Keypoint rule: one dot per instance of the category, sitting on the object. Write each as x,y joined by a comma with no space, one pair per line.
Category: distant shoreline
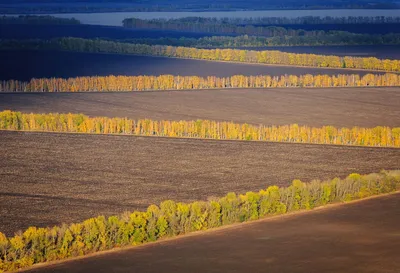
106,9
114,18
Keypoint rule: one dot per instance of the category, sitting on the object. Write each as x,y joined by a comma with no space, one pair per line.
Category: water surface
116,18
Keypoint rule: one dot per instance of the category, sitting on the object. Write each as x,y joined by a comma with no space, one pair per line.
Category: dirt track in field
48,179
347,107
358,237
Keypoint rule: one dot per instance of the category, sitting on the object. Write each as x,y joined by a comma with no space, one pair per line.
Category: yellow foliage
169,82
378,136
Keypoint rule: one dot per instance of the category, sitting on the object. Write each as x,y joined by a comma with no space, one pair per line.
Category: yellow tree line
272,57
204,129
231,55
170,218
170,82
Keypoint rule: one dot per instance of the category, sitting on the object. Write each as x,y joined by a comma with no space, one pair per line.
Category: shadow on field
24,65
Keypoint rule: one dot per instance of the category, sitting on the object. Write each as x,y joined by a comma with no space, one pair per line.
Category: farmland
85,31
367,107
98,161
363,236
76,177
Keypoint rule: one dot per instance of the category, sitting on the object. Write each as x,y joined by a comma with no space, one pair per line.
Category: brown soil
366,107
47,178
358,237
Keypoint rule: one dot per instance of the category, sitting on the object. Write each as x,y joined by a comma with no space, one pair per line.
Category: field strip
339,107
266,89
272,65
235,226
205,139
79,176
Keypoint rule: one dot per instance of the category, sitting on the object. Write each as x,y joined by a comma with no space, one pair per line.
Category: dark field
358,237
25,31
341,107
24,65
47,179
120,33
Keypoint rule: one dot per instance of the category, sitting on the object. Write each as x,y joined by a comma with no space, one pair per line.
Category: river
116,18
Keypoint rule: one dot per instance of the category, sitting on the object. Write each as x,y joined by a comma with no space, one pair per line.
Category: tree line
170,82
269,27
169,219
37,20
230,55
301,20
204,129
206,26
246,41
